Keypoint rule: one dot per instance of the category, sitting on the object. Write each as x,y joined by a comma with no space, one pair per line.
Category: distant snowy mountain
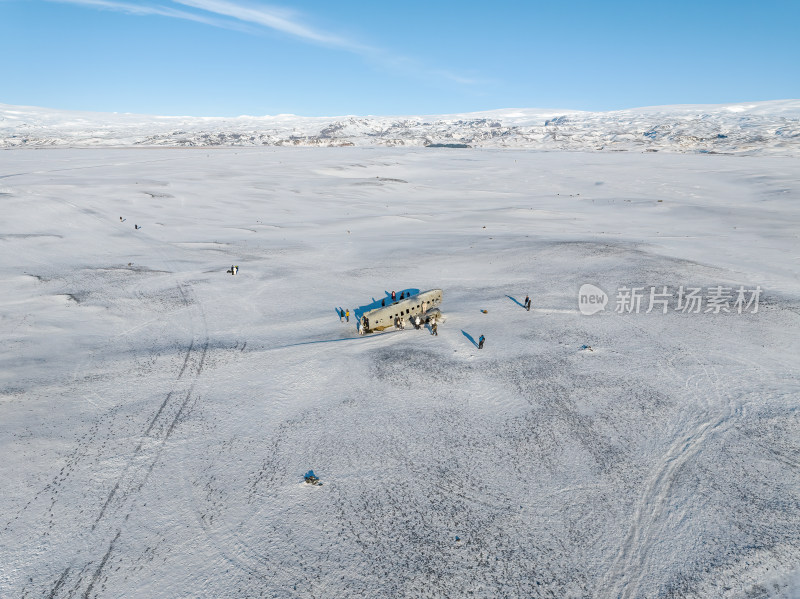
758,127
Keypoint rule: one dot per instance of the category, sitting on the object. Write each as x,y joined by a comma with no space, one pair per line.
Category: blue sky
322,58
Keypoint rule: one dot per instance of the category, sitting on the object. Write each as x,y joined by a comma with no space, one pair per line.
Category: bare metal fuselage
385,317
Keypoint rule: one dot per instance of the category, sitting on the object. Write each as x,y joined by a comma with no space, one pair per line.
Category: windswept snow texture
157,415
754,128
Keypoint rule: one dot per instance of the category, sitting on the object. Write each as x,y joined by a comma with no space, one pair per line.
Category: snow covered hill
758,127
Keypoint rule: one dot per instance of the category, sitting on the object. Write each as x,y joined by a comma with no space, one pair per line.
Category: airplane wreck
424,304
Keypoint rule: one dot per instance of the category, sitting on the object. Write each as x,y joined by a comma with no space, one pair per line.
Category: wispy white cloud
272,18
252,17
164,11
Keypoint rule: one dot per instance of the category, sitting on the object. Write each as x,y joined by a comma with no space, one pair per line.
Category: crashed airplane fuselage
386,317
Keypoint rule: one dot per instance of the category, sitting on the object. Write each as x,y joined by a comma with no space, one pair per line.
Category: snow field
158,414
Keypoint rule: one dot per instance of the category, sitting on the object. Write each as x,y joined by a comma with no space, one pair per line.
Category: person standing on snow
481,339
527,301
347,315
435,329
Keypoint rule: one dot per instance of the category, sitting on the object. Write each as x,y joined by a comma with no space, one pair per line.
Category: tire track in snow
628,569
59,583
625,576
164,421
186,360
129,467
135,475
100,431
100,567
107,428
146,436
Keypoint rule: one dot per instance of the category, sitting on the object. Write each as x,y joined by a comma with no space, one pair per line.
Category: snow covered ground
157,414
771,127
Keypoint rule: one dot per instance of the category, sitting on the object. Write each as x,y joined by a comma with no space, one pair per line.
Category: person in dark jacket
481,339
394,296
